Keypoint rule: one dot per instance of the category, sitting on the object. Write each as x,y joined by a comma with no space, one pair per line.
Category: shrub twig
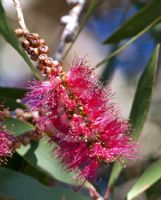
71,24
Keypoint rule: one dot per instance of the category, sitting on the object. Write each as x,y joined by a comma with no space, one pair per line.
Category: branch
71,25
93,192
107,193
20,15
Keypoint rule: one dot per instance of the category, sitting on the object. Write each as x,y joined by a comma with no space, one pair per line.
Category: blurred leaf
14,93
7,32
10,103
137,23
90,11
17,127
149,177
116,170
141,104
22,187
156,32
111,66
8,97
108,71
40,155
138,4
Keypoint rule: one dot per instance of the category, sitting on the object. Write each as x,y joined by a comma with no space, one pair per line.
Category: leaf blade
144,90
16,126
10,103
139,110
39,156
149,177
14,93
9,97
23,187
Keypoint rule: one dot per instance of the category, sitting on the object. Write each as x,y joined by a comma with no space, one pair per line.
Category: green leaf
22,187
111,65
137,23
140,106
143,95
116,170
90,11
7,32
8,97
40,155
14,93
156,32
10,103
149,177
16,126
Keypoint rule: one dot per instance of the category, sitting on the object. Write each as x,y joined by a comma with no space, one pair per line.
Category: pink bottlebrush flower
82,119
6,145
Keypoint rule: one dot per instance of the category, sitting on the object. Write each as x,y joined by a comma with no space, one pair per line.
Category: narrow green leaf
140,106
143,95
16,126
156,32
137,23
121,48
14,93
116,170
22,187
111,65
40,155
149,177
9,96
7,32
90,11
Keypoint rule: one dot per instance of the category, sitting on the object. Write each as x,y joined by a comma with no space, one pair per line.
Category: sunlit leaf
41,156
149,177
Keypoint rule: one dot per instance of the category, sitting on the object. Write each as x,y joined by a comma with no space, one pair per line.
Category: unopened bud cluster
38,51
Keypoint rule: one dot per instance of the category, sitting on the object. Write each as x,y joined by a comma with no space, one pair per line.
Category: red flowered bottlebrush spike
6,140
77,113
81,118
